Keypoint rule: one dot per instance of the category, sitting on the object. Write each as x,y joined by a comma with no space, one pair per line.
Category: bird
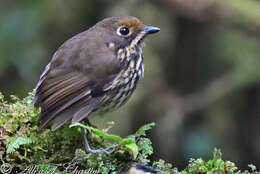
95,71
137,168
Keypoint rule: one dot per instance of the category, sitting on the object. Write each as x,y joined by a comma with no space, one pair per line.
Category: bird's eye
124,31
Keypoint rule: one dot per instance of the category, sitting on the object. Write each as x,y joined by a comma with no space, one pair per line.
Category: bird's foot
101,150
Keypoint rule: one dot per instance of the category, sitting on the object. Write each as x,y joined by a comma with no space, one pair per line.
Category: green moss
26,148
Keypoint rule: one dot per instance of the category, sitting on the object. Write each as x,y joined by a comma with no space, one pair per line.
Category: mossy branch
23,145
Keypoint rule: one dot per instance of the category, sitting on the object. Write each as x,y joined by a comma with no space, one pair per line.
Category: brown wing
65,87
60,97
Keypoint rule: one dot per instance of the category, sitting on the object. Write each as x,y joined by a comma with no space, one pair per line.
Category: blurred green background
202,71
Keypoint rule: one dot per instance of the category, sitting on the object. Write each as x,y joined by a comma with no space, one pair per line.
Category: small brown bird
95,71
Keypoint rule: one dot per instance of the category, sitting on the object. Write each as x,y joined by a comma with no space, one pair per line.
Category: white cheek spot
111,45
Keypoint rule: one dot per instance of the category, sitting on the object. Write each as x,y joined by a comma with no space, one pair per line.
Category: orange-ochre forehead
132,23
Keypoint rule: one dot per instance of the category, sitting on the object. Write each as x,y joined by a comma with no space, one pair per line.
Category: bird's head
126,30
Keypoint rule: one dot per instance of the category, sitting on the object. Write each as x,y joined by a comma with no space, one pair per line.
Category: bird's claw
101,150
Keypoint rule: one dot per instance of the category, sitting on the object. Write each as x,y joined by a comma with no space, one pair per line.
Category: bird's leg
88,149
87,146
88,123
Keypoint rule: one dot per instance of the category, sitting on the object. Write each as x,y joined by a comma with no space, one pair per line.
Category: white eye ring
123,31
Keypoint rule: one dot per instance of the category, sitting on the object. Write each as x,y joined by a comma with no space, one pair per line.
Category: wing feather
76,112
61,96
64,90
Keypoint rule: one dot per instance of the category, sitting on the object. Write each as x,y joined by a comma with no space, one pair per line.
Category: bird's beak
151,29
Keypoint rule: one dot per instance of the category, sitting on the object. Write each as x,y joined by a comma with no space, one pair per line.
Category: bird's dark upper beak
151,29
